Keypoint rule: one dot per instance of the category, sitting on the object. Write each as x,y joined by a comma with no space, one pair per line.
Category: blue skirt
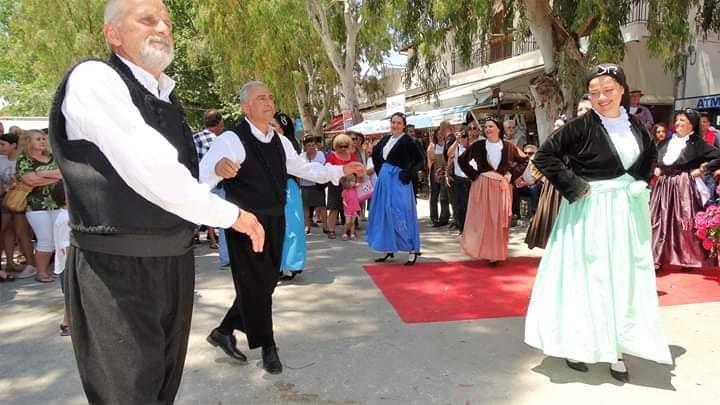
294,250
392,220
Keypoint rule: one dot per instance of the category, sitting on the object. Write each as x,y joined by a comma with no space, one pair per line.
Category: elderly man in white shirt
254,163
130,169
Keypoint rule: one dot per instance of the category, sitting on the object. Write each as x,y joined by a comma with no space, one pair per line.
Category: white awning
25,123
427,119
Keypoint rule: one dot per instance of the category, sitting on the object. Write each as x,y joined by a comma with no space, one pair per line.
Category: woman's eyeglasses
343,146
473,128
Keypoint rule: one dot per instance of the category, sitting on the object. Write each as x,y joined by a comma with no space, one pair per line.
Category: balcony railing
639,12
497,48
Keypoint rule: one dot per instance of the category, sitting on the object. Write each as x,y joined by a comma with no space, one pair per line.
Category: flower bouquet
707,225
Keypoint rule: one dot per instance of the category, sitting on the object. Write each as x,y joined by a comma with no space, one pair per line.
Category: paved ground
342,343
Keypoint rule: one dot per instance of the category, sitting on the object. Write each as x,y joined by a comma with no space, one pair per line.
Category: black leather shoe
384,259
622,376
439,224
412,261
271,361
577,366
227,343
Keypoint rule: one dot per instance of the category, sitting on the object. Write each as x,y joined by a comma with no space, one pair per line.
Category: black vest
261,183
106,215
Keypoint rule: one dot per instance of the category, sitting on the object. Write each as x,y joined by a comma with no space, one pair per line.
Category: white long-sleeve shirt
228,145
98,108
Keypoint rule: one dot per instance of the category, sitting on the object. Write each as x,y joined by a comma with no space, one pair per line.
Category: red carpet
453,291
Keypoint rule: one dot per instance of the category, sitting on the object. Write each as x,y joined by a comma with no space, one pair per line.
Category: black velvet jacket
582,151
696,152
405,154
512,160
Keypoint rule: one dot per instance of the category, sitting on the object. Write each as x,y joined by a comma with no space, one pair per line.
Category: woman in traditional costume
594,296
678,194
392,219
491,164
549,204
294,252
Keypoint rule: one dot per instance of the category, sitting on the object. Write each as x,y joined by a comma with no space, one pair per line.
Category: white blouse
390,144
676,145
494,153
622,137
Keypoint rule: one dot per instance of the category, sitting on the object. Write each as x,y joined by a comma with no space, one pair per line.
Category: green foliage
669,30
263,40
424,25
41,40
192,67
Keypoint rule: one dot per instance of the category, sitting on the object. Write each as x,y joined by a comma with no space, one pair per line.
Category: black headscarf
617,73
286,123
693,116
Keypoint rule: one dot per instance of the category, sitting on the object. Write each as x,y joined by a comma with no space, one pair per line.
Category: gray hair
509,122
244,94
113,10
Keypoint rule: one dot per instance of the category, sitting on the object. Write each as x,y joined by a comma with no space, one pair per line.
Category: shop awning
427,119
25,123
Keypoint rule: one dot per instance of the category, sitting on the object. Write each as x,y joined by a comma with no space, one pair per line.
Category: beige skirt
488,218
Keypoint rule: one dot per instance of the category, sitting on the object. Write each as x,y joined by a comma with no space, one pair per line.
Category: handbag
15,199
365,189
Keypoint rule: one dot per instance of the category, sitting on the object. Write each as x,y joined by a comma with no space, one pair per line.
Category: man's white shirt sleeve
98,108
312,171
228,145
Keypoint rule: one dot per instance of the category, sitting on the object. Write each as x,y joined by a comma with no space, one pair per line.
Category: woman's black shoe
577,365
384,259
621,375
412,261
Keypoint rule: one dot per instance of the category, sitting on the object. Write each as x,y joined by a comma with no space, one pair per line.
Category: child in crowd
351,205
61,234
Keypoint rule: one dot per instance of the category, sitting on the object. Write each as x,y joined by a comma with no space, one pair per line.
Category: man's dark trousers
140,302
255,276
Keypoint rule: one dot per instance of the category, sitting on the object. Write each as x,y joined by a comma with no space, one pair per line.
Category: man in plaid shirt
213,127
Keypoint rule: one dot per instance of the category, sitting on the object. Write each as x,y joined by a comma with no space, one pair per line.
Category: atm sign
708,102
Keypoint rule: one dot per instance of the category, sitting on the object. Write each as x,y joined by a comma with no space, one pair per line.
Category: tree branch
318,18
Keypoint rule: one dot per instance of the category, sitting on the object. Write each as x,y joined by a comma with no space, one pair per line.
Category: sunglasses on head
607,70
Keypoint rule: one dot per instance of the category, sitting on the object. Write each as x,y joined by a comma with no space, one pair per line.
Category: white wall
703,69
647,74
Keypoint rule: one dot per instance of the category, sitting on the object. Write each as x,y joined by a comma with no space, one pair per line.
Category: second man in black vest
254,163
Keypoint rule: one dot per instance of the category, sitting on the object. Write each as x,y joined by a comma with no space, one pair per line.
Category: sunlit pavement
341,342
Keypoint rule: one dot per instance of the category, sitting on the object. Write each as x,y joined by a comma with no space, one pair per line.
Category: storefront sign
698,103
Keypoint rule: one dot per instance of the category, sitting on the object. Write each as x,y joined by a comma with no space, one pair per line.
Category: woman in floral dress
36,167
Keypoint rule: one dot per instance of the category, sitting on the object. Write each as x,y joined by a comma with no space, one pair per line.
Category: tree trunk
343,64
548,100
350,98
303,104
545,91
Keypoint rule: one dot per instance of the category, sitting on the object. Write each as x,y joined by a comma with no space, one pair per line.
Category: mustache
158,40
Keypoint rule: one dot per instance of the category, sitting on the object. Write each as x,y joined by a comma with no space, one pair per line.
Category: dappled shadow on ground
642,372
339,339
37,365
